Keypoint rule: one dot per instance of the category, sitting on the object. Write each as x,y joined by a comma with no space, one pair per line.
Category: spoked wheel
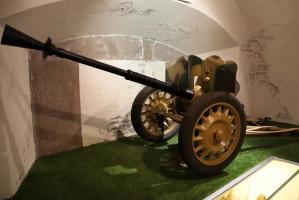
148,117
212,132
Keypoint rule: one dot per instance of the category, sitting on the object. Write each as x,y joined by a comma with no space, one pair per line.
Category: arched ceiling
166,21
11,7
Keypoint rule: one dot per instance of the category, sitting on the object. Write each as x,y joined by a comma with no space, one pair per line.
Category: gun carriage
198,101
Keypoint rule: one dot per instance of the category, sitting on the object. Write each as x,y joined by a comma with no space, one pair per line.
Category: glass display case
273,179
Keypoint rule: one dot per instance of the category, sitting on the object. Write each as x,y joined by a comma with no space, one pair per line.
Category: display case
273,179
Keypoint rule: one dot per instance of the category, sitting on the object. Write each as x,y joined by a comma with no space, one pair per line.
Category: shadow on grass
134,140
163,160
167,161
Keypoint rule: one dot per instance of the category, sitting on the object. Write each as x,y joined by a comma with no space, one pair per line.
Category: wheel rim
154,106
216,134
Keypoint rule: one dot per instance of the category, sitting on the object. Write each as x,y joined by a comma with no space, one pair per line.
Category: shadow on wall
52,135
56,105
114,126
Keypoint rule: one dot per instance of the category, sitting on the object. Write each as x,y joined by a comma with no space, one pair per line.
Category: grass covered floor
131,168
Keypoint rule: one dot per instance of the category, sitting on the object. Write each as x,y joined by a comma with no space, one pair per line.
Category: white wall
10,7
267,34
270,57
165,21
17,149
226,13
106,99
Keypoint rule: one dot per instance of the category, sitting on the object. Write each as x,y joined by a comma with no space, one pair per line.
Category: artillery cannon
198,101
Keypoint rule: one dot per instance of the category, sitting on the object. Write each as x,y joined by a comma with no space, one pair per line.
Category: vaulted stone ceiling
166,21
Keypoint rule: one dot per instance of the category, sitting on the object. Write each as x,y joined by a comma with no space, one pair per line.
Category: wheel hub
153,112
218,136
160,107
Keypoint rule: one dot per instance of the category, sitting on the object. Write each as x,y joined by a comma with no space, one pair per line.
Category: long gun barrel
17,38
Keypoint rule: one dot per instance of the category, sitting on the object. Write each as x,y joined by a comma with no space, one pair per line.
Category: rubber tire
190,119
137,122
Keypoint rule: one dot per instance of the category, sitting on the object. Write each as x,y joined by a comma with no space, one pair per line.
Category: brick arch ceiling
166,21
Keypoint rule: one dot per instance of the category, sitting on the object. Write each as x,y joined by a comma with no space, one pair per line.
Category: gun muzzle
13,37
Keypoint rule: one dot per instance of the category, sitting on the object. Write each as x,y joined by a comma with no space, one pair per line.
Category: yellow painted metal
216,134
158,104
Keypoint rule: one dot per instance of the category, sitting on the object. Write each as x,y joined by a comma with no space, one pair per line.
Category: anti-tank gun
198,101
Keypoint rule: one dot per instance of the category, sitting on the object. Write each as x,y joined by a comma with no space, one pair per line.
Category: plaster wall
225,13
165,21
269,58
10,7
17,148
55,104
266,33
106,99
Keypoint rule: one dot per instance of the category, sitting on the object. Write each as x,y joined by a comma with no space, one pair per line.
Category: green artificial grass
131,168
